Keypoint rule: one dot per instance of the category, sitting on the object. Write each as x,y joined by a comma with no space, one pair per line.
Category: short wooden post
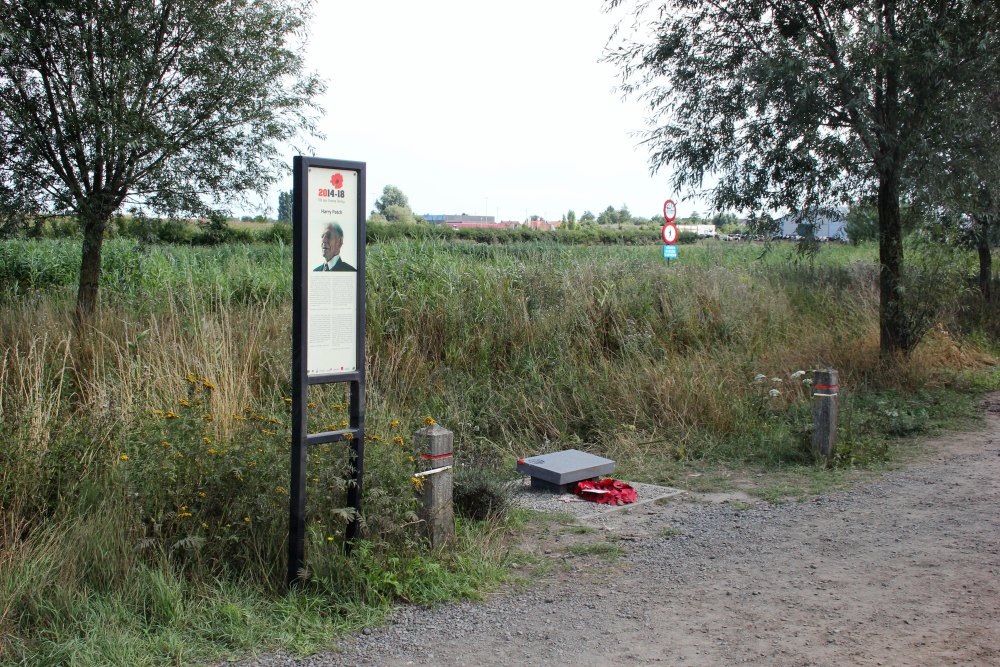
825,390
434,452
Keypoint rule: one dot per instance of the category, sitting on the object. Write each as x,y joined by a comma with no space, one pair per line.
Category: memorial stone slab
559,470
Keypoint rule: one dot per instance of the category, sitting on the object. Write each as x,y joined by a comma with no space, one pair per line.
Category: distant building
466,221
542,225
703,231
829,224
458,219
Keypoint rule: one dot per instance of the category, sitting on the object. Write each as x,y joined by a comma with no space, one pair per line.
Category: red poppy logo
337,181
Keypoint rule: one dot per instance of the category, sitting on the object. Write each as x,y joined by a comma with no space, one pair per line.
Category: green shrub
481,491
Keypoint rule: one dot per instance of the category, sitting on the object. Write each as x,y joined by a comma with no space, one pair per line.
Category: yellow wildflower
344,423
418,483
202,494
348,436
280,490
170,414
286,399
204,525
124,457
429,421
191,377
266,432
252,464
273,420
207,440
207,384
394,423
246,519
186,403
209,418
159,413
184,508
329,539
239,418
374,438
184,515
310,404
165,444
179,455
399,440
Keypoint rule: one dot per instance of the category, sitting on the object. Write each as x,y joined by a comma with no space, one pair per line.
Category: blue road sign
669,252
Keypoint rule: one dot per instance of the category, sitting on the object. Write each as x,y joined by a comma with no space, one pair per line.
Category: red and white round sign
669,233
669,210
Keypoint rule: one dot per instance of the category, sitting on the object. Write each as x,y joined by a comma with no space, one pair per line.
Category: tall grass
158,481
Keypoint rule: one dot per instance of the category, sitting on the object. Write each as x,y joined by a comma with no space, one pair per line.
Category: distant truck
702,231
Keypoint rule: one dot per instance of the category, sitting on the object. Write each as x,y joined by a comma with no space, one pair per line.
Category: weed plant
143,496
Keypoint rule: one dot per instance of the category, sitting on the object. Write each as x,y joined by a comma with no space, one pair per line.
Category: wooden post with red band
825,391
434,454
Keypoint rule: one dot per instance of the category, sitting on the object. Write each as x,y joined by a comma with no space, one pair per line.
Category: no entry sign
669,233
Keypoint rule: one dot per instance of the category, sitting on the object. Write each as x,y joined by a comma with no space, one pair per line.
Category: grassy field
144,497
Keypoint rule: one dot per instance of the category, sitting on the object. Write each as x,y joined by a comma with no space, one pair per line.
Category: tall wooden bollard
825,389
434,452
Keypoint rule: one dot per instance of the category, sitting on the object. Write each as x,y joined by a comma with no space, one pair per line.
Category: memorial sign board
328,324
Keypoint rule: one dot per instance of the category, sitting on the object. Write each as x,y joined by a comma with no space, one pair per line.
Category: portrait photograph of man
332,243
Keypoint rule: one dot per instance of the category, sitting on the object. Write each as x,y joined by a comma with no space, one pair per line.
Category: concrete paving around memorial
585,510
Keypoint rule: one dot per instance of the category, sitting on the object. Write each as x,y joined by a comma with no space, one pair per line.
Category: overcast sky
497,108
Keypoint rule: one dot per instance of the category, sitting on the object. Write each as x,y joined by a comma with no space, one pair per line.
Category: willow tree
960,177
176,105
805,103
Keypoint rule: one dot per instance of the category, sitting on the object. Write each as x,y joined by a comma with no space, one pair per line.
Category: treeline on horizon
218,229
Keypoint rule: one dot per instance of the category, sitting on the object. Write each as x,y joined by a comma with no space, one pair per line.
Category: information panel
328,328
332,252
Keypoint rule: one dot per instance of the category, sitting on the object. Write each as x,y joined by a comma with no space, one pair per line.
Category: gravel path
903,571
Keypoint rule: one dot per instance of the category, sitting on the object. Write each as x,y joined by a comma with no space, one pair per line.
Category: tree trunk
90,267
894,330
985,256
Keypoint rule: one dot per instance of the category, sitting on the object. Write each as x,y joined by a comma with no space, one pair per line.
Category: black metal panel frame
301,439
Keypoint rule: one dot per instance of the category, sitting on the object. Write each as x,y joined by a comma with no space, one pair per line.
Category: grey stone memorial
558,471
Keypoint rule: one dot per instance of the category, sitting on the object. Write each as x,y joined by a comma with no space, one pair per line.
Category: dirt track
902,571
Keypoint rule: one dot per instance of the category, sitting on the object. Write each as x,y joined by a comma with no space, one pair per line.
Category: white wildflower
759,378
773,393
776,380
797,374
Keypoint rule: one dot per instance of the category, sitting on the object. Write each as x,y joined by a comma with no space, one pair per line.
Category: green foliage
285,207
482,491
378,232
724,219
862,224
612,217
605,550
399,214
179,108
194,362
809,103
392,198
215,229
